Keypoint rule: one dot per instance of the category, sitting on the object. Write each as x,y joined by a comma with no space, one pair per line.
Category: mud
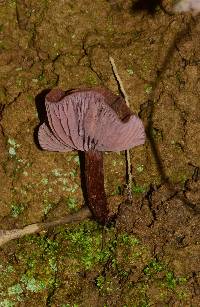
150,255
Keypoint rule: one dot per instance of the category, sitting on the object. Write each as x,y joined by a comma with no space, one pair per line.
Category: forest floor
150,255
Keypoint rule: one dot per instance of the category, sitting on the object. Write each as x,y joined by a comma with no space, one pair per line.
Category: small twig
121,86
8,235
127,152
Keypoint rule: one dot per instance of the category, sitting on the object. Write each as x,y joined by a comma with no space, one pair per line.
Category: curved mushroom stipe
90,120
94,177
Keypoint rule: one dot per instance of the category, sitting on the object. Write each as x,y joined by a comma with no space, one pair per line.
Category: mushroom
91,120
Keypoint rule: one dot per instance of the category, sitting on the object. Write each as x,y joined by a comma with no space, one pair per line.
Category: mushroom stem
94,177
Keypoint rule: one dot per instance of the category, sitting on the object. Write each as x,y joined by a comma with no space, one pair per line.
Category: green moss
182,295
77,160
7,303
73,173
15,290
41,77
127,239
9,269
140,168
105,284
166,282
100,280
30,98
39,258
171,281
32,284
130,71
16,209
139,189
91,80
13,146
84,245
148,88
72,203
153,267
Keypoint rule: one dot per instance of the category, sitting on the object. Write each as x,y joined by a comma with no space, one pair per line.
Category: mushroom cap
89,119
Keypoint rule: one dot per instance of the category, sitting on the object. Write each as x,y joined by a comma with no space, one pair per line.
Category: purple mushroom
91,120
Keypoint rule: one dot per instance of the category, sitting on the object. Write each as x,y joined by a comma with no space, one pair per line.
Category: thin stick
127,152
121,86
8,235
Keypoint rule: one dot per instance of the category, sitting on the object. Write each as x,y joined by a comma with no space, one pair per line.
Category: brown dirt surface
150,255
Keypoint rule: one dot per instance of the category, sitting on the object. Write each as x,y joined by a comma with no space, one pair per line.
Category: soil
150,255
